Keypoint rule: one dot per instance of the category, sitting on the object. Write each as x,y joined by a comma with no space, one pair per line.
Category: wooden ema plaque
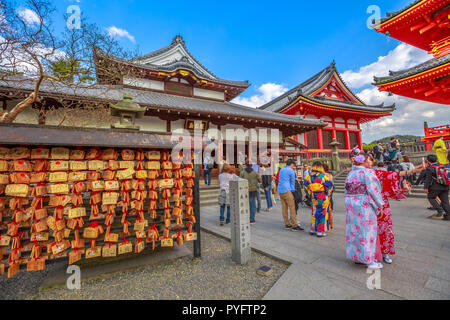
93,252
141,174
139,226
78,165
112,185
165,183
60,154
77,176
3,165
36,265
40,153
59,247
59,165
125,248
153,155
109,250
13,269
17,190
57,177
139,247
77,213
5,240
40,236
111,237
74,256
126,164
153,165
58,188
192,236
90,233
125,174
167,242
110,198
96,165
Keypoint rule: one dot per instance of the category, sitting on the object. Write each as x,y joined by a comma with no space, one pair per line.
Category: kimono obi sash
355,188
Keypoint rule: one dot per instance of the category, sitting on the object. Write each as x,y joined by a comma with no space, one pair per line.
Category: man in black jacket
435,189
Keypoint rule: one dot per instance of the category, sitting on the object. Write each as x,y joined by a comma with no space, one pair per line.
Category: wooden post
347,140
320,138
197,243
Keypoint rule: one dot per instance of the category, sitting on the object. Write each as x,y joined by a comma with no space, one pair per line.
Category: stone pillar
240,221
335,162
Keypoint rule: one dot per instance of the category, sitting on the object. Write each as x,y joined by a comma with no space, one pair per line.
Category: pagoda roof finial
178,39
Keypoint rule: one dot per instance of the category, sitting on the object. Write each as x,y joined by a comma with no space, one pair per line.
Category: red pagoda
325,96
424,24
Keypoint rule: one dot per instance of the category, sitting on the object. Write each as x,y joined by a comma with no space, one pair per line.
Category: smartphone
423,162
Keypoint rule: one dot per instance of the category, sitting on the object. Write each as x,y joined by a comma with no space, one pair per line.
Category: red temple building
325,96
424,24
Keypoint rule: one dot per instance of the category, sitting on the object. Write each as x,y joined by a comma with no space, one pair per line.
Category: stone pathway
319,269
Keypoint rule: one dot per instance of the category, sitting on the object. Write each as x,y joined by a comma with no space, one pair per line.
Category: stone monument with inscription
240,221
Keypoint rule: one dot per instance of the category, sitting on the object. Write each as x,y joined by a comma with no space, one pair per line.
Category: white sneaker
387,259
375,265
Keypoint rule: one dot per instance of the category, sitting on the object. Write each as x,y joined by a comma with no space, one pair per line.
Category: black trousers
443,196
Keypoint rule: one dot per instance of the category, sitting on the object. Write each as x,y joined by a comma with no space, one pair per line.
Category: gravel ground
214,277
25,283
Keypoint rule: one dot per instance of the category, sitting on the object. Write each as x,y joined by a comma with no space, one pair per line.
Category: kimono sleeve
328,184
306,183
373,187
390,182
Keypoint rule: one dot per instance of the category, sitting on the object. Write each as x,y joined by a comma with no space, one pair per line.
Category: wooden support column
305,138
320,138
360,140
220,148
347,140
168,126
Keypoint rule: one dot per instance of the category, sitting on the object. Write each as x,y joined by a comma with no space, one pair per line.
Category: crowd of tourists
376,176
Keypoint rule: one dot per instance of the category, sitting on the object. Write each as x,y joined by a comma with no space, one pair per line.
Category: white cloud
410,114
402,57
114,31
408,118
29,16
267,92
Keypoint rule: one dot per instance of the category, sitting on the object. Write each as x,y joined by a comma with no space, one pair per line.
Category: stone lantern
335,163
128,111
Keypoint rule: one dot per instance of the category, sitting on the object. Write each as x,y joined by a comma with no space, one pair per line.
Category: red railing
436,131
323,154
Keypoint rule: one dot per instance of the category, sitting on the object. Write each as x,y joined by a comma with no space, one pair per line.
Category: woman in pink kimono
390,184
363,200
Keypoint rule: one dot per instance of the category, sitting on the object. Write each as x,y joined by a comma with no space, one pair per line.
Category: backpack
442,175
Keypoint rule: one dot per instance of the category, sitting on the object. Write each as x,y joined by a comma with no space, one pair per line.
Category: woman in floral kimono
363,199
319,187
390,184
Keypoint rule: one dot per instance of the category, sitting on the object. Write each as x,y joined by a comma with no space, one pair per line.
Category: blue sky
273,44
259,41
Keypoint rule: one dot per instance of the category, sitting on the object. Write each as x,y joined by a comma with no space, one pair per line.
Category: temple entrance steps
339,186
209,194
